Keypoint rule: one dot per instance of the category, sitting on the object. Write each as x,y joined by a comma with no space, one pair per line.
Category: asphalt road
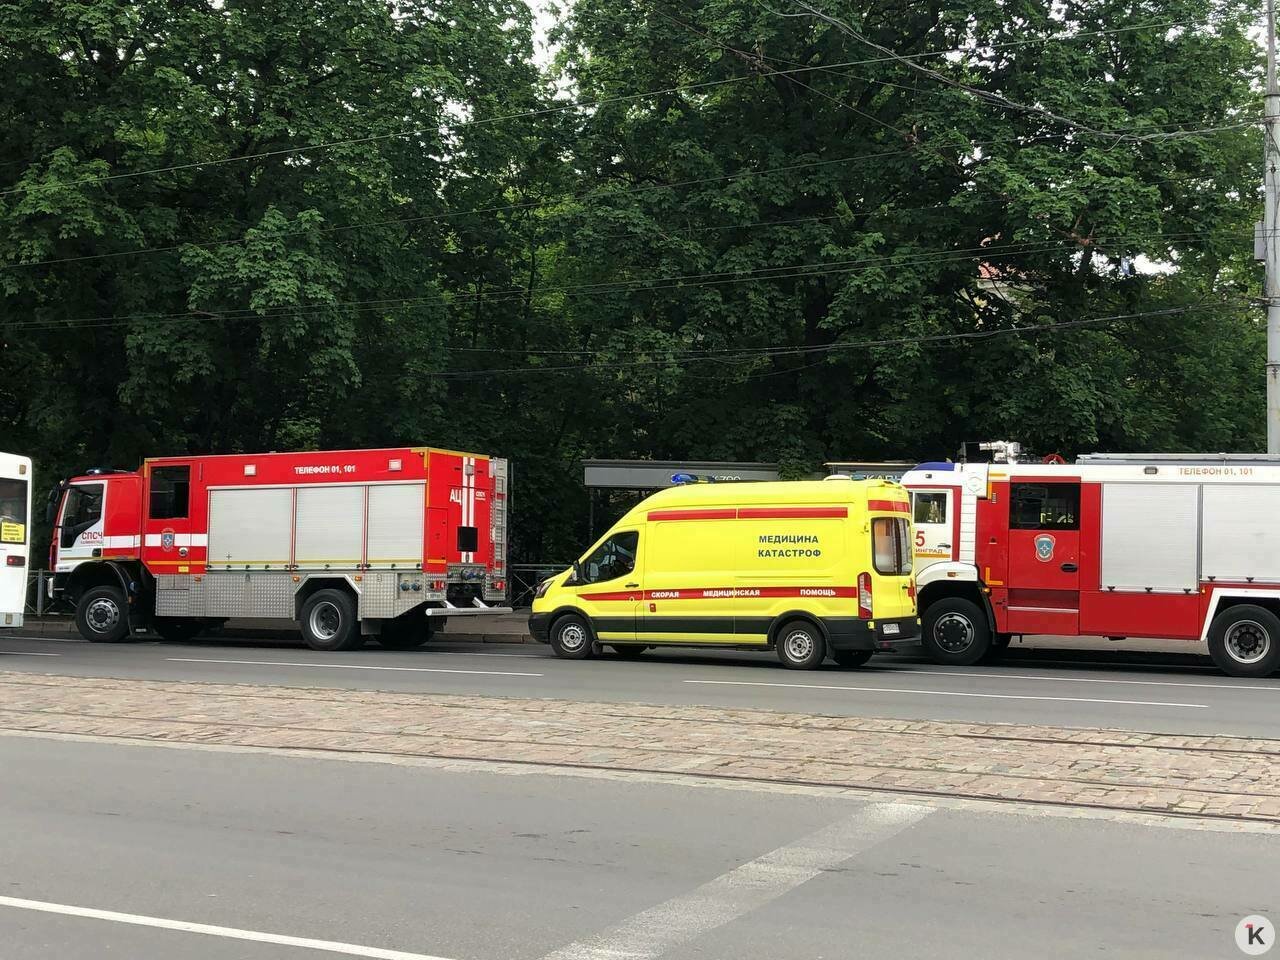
1160,694
465,865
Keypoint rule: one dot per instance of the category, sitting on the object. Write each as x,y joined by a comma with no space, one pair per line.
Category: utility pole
1271,234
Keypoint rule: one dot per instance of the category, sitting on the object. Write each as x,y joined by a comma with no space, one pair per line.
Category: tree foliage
241,226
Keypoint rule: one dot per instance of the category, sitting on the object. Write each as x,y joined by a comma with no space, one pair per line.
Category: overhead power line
988,95
760,58
837,347
595,193
634,285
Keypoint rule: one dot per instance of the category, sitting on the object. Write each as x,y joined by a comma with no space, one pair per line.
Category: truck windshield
892,545
13,510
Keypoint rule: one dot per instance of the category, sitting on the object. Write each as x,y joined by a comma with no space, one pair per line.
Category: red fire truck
347,543
1178,546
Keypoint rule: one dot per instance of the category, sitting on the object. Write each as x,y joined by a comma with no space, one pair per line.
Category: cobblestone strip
1210,776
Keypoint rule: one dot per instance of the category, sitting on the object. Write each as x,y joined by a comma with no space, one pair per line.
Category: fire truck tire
102,615
329,621
851,658
1244,641
571,638
177,629
801,645
956,632
629,651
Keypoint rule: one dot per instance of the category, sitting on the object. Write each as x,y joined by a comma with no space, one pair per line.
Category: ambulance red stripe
791,513
726,514
755,513
889,506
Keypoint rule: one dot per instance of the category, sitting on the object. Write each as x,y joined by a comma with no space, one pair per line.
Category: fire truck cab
1173,546
347,544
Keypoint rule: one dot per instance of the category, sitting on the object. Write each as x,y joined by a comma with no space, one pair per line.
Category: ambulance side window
614,558
929,507
1044,506
170,493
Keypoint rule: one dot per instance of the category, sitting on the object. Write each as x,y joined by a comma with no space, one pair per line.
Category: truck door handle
944,546
1069,568
630,585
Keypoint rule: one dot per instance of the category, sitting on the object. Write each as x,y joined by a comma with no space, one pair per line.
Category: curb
64,628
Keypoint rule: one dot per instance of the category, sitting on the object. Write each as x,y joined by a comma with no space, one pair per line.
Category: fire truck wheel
102,615
329,621
801,645
571,638
628,651
1244,641
956,632
177,629
851,658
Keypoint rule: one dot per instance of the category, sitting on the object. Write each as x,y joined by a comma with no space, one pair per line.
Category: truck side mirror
51,505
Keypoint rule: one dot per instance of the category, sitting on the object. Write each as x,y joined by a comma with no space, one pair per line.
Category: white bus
15,536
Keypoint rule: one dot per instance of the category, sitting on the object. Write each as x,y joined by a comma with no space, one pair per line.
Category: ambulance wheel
956,632
329,621
102,615
800,645
1244,641
571,638
851,658
628,651
177,629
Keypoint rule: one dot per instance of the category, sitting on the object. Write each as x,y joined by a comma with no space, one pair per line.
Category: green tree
843,196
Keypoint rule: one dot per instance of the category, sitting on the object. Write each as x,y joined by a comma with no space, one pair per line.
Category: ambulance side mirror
576,576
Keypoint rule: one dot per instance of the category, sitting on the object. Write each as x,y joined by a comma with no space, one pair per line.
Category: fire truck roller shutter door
1241,532
250,527
330,527
396,513
1150,534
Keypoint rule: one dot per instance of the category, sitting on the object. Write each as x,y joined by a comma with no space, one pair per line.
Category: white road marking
1274,688
350,666
944,693
653,932
26,653
509,656
25,636
329,946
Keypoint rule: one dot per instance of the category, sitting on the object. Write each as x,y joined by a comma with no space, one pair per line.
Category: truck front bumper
852,633
540,627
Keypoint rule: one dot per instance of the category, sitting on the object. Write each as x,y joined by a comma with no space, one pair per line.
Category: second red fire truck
348,544
1114,545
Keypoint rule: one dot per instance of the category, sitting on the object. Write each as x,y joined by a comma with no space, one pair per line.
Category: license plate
890,629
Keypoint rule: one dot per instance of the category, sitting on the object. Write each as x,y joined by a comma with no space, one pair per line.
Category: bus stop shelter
603,477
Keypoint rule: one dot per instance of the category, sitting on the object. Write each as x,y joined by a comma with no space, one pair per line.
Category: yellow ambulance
812,568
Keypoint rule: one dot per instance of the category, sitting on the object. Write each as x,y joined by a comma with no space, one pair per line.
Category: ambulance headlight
543,587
